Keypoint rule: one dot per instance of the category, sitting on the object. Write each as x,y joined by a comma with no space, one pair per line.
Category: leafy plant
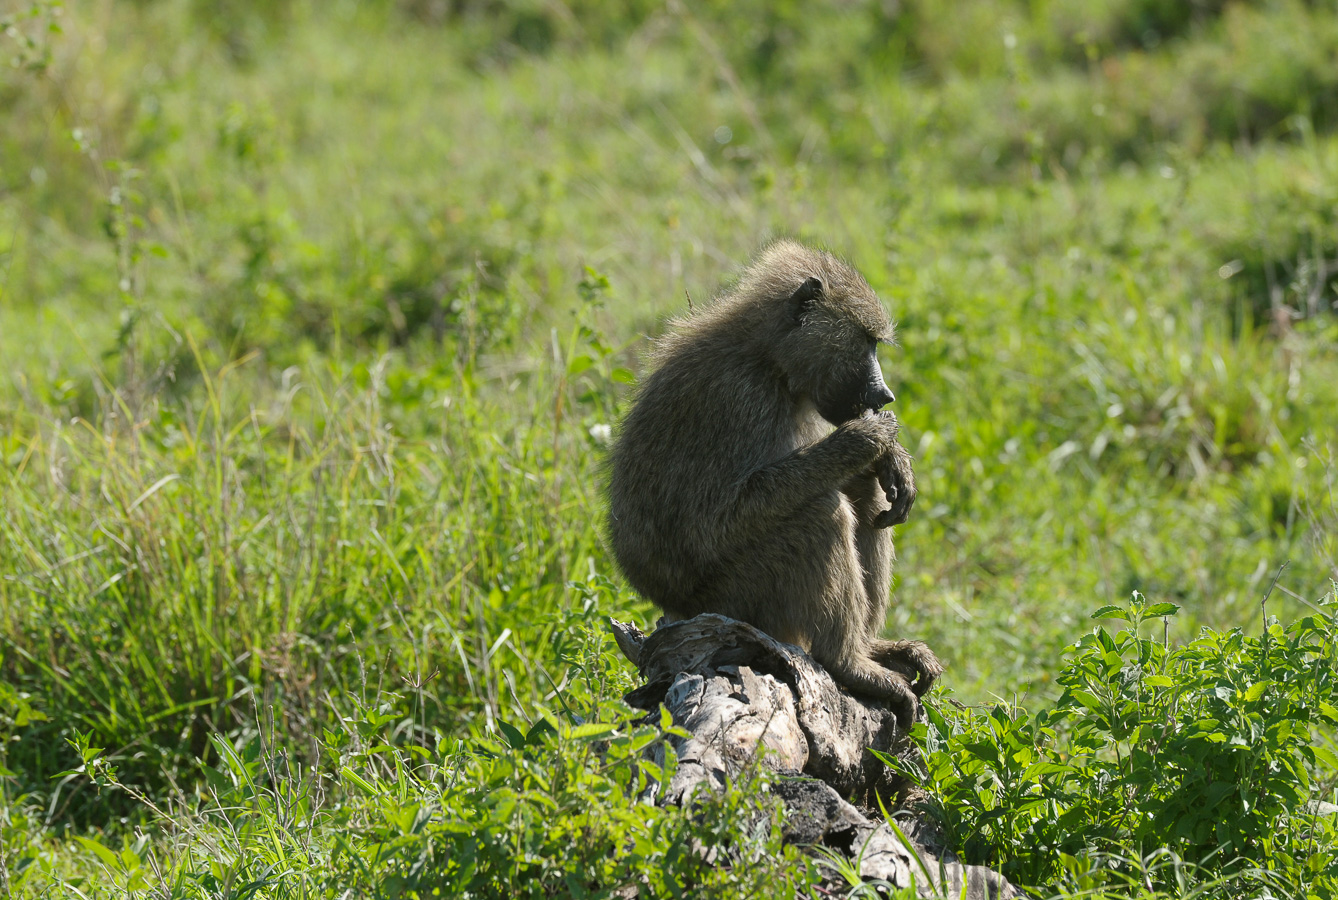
1214,752
536,810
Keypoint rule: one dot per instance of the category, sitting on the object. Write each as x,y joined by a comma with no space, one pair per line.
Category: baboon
749,477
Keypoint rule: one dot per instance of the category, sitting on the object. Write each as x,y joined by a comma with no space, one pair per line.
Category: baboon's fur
731,493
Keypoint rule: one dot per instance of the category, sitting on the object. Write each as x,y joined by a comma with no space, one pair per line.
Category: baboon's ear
801,299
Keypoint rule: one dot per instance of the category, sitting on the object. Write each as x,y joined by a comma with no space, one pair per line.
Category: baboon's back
700,424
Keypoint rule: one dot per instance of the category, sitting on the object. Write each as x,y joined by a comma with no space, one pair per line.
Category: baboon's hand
879,428
913,660
897,478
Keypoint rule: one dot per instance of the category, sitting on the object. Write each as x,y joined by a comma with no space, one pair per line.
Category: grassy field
312,317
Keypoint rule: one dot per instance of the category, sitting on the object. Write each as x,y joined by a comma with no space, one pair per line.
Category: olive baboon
730,492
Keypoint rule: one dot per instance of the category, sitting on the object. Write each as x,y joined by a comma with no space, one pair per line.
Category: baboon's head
836,338
832,326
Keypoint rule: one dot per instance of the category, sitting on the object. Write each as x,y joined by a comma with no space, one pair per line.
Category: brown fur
730,493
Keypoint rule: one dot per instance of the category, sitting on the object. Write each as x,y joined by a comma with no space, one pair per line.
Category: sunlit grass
311,322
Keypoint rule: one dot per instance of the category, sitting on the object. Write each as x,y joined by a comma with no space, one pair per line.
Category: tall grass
314,321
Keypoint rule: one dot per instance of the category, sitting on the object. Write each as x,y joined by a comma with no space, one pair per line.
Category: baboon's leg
864,676
782,580
804,584
843,640
913,660
874,546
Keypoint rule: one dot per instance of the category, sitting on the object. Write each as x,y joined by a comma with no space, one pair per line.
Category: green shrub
1213,753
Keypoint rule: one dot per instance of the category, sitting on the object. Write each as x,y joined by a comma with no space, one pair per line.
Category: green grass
311,317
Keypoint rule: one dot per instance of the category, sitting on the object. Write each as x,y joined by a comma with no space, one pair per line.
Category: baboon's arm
773,493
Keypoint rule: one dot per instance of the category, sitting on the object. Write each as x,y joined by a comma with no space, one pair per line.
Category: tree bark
739,693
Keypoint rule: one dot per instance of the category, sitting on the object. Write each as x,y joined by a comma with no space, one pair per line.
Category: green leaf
936,719
1215,793
366,786
591,730
579,364
513,735
1046,768
623,375
538,730
1327,757
1161,609
1089,700
1256,691
1111,612
105,856
983,750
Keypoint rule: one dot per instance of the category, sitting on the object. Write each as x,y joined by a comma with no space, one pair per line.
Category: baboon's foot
863,676
912,660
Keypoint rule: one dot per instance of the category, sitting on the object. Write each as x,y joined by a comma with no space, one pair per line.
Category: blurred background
314,318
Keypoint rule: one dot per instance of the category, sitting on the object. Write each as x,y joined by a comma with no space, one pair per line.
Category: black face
861,389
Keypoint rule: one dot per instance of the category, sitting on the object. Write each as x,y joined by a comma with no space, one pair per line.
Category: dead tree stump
735,689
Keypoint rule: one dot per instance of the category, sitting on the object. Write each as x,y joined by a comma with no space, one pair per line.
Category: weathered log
743,697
